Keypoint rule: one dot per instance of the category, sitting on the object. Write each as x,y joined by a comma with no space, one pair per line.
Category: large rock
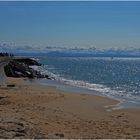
28,61
20,68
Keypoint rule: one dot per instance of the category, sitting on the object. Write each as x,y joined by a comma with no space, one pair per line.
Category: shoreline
122,101
46,112
69,89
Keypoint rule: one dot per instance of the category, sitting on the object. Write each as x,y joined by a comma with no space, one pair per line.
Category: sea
117,78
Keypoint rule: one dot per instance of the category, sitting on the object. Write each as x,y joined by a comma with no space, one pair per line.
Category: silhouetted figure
5,54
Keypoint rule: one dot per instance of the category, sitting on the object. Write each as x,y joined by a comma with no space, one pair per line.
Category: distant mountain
69,52
97,53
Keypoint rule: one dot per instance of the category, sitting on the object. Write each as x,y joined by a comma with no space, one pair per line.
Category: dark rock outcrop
21,68
27,61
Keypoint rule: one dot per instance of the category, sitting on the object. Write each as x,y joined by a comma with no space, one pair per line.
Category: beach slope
36,111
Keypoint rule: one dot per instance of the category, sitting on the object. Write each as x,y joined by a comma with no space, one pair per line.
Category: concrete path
3,61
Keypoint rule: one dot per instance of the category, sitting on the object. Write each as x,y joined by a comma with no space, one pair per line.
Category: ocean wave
101,89
91,86
43,70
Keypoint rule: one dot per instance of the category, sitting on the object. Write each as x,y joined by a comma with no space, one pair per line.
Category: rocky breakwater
20,67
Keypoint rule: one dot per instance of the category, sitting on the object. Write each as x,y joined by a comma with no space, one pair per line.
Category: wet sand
37,111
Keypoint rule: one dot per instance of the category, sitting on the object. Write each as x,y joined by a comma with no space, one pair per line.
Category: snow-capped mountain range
75,51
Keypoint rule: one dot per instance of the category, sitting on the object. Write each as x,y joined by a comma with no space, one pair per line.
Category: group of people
3,54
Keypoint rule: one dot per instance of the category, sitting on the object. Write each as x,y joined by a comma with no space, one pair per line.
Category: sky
71,24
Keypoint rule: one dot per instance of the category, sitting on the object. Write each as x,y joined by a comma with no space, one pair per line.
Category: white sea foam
91,86
102,89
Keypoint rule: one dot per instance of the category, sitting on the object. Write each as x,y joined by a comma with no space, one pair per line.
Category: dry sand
37,111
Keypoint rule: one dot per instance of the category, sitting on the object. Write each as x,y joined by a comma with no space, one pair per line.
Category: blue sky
71,24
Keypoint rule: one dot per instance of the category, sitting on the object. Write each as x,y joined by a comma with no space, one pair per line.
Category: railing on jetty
3,61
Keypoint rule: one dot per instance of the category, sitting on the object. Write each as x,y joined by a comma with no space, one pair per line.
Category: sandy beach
36,111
